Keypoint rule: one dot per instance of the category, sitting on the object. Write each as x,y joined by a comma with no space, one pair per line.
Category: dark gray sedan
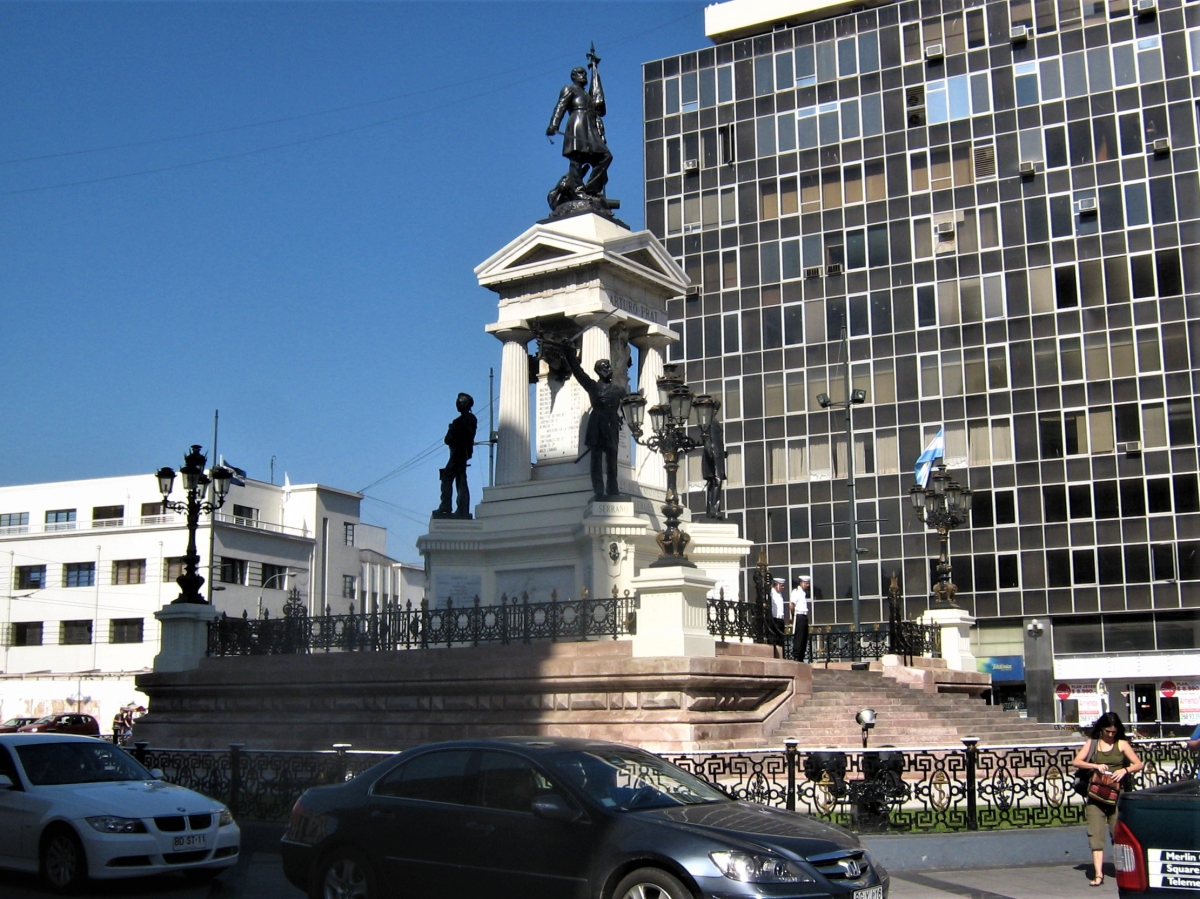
551,818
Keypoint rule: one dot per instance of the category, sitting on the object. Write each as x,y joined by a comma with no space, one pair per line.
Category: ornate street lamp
669,420
943,505
195,485
853,398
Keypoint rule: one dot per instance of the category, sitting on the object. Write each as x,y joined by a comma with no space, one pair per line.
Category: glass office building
1000,204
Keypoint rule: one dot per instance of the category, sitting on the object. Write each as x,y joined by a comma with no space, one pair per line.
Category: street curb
986,849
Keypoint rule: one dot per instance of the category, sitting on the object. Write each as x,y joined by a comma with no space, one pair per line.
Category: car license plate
869,893
200,841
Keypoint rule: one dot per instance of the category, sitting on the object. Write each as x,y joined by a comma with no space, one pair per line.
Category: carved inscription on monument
560,407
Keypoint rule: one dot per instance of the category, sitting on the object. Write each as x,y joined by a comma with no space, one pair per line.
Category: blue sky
310,186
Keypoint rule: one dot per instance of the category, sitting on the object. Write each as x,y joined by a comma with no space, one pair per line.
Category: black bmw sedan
542,818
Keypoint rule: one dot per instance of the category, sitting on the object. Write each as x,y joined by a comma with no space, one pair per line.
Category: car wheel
346,874
63,862
651,883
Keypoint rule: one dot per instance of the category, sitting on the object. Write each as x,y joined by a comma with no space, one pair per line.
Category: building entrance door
1145,703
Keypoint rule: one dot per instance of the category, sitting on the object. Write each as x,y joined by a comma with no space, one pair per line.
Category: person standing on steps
779,610
799,603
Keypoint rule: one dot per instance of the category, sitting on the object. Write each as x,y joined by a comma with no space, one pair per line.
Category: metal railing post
235,777
972,745
789,746
340,749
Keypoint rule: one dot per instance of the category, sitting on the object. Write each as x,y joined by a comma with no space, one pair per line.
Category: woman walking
1111,760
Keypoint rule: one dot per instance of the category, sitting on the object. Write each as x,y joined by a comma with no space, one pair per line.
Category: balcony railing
259,525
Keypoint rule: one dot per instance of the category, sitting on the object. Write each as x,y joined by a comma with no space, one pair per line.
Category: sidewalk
1020,882
981,849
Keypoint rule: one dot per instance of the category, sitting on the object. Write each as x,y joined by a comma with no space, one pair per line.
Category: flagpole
851,490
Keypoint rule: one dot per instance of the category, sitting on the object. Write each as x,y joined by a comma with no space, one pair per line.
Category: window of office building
30,577
75,633
173,567
60,520
27,633
349,586
79,574
129,571
107,516
233,571
125,630
14,523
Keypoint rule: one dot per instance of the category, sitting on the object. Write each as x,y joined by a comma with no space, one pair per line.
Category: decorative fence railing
421,627
733,619
940,789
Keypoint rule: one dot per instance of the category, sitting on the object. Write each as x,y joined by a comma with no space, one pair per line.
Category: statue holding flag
582,105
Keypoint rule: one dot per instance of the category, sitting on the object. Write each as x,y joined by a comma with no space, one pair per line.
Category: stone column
651,351
512,448
595,342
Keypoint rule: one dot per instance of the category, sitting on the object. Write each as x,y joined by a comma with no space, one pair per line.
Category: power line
541,70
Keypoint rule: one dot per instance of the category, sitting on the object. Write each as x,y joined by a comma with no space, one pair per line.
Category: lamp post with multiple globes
669,421
943,505
195,487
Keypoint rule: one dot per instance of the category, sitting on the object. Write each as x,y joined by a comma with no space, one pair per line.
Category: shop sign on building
1003,668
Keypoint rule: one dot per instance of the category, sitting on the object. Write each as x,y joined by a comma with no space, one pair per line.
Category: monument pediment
569,244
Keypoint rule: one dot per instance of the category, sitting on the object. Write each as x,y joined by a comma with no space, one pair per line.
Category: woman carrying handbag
1111,760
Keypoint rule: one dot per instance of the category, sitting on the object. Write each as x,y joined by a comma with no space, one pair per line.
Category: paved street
260,876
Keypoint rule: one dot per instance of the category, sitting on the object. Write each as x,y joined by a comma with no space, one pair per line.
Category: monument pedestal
955,624
672,617
184,635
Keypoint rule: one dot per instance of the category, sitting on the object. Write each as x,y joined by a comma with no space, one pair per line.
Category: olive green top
1114,758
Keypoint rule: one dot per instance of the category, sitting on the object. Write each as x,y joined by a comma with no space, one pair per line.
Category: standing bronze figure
712,465
460,437
584,144
603,435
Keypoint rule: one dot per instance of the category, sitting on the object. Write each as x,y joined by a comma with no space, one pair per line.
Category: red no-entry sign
1063,691
1168,688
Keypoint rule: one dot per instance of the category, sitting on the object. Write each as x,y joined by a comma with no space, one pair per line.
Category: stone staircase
904,716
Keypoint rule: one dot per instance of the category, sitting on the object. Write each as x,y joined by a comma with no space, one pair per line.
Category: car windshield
627,780
16,722
47,719
49,764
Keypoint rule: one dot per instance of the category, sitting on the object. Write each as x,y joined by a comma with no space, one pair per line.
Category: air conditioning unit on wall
935,52
1133,446
1019,34
945,229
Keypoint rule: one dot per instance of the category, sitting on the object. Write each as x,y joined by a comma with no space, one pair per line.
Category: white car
78,807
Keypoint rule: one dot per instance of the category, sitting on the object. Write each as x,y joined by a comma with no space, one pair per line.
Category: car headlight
759,867
115,824
224,819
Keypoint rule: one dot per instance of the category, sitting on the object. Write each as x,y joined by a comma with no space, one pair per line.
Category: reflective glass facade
1000,203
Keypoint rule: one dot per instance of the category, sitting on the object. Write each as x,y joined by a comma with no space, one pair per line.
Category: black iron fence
421,627
733,619
939,789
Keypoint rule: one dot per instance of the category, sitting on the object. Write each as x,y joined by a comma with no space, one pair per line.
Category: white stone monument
540,532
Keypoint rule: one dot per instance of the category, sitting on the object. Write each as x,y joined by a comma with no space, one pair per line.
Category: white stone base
672,617
956,625
184,639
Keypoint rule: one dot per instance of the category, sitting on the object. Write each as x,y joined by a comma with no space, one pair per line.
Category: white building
84,565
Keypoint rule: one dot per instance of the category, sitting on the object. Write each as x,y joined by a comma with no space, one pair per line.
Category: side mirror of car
5,782
553,807
157,773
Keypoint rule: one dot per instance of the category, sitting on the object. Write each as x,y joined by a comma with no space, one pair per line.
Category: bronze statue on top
584,144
